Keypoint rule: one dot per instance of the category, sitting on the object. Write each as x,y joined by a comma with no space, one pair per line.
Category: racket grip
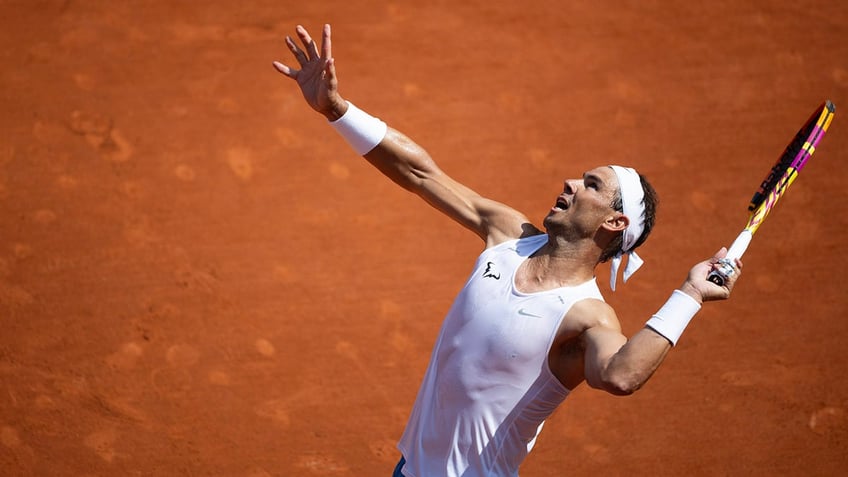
739,245
725,266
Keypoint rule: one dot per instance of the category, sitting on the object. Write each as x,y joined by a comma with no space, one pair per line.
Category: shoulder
591,313
509,225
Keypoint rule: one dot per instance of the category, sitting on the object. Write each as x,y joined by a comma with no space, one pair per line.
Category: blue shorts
397,473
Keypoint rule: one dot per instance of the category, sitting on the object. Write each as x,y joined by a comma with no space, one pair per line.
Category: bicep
616,364
601,344
601,338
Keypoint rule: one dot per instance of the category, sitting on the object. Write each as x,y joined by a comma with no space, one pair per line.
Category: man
530,324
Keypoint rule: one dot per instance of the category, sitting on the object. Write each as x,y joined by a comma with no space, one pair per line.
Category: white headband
632,196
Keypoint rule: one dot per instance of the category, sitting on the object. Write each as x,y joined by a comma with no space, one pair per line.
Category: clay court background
197,277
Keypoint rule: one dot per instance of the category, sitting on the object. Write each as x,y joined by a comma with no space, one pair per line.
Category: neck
557,264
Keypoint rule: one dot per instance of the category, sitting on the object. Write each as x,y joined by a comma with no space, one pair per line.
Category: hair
650,201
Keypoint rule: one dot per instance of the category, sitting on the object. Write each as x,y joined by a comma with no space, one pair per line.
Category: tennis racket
778,180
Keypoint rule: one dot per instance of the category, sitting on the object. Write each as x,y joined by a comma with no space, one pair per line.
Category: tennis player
530,325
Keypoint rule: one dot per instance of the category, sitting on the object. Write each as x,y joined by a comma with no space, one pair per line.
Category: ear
616,222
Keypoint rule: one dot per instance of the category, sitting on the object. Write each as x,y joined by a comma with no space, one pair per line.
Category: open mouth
561,205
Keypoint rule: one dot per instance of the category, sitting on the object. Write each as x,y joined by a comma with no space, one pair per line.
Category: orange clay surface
199,278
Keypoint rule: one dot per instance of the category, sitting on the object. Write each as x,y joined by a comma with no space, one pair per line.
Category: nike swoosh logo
523,312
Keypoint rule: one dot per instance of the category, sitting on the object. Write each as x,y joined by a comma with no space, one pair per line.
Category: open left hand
317,74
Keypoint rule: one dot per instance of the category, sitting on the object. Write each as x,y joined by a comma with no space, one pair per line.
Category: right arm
621,366
398,157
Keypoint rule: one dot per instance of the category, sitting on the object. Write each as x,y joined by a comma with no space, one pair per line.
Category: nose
571,186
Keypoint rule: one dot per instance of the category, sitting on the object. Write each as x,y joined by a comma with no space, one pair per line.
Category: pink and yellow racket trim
775,185
798,162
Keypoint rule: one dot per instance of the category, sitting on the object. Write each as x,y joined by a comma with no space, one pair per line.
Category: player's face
585,202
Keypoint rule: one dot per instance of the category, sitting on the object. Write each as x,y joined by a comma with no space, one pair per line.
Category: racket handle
725,266
739,245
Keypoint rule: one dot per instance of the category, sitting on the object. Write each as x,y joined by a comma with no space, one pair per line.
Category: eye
590,184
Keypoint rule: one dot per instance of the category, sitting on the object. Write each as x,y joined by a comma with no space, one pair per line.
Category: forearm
403,161
390,151
635,362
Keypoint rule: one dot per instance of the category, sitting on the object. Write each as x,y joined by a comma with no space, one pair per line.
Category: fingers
310,53
730,270
738,262
285,70
731,267
326,49
311,48
298,54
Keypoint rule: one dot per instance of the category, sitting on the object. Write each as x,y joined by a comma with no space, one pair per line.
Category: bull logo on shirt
487,273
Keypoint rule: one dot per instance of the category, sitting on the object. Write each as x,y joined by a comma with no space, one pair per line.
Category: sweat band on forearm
361,130
672,318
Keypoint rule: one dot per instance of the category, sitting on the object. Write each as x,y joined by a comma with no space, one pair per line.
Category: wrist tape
361,130
672,318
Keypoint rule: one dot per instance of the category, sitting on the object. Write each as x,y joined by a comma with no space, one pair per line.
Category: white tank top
488,388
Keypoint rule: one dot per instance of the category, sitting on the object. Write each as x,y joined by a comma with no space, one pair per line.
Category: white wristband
361,130
672,318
